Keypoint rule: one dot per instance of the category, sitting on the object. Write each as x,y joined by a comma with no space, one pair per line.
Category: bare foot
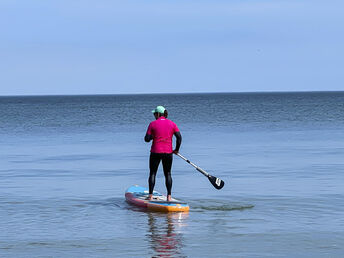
169,198
150,197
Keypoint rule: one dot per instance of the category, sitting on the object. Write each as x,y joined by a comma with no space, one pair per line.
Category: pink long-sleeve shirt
162,131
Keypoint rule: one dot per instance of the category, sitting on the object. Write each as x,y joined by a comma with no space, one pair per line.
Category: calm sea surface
66,161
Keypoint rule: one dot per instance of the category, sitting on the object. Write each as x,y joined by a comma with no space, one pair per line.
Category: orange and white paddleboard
138,196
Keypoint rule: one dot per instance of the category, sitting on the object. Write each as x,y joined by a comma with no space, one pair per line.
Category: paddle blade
216,182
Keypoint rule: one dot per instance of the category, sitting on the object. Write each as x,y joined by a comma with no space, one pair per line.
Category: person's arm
178,141
148,137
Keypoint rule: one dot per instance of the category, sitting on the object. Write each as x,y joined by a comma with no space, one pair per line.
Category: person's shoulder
152,123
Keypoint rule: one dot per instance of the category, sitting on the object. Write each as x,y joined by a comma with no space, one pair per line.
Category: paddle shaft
194,165
216,182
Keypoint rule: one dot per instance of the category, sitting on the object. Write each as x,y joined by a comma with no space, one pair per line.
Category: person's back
162,131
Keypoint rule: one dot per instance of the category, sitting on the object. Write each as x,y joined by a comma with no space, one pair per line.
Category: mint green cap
159,109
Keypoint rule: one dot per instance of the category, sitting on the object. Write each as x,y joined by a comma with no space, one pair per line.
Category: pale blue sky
111,47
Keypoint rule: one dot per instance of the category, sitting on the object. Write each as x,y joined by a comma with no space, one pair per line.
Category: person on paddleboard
161,132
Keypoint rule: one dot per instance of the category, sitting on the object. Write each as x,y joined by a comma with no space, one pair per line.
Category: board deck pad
138,196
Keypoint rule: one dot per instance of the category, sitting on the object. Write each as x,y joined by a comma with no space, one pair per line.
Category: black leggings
154,161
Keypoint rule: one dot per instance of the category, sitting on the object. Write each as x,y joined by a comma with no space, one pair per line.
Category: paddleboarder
161,131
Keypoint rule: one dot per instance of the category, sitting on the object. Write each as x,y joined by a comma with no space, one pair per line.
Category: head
160,111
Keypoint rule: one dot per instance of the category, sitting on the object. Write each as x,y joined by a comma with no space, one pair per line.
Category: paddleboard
138,196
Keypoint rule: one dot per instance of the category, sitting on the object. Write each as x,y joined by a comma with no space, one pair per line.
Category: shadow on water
217,205
165,231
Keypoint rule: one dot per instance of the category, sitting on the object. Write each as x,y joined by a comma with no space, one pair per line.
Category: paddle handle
192,164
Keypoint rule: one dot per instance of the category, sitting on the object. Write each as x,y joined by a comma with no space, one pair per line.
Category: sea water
66,161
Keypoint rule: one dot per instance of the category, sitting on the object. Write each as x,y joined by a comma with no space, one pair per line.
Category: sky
150,46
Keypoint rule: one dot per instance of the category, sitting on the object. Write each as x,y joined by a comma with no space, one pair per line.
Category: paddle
216,182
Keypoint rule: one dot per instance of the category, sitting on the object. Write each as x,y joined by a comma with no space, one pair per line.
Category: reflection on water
165,233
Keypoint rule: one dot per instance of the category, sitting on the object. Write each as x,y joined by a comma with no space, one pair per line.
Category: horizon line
170,93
